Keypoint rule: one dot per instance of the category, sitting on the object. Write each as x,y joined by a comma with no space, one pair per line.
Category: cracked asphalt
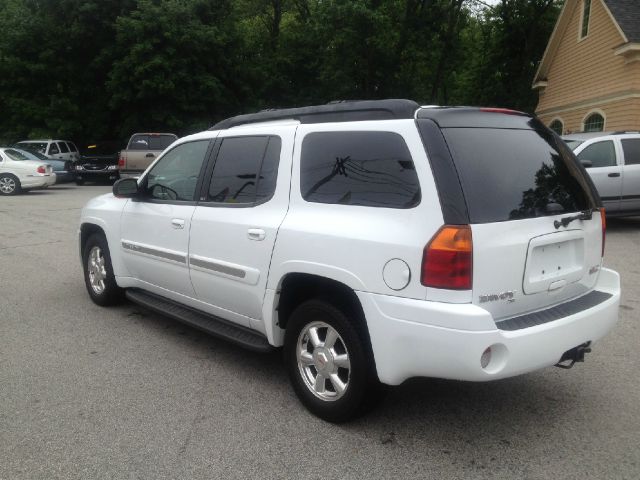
121,393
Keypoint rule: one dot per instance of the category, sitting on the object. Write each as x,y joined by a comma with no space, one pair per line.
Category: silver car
613,162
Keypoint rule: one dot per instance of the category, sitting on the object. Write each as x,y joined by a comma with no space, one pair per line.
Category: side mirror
125,188
586,163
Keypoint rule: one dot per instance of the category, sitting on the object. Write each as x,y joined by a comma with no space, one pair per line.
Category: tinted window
600,154
235,174
175,175
631,148
63,147
515,174
358,168
72,147
160,142
53,149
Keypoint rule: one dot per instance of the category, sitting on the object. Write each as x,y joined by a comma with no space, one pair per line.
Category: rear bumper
412,338
37,181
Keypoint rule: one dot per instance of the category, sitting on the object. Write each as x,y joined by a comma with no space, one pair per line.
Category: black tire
9,184
111,294
362,387
79,182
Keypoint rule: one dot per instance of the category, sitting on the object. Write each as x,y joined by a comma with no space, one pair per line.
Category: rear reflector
603,219
447,260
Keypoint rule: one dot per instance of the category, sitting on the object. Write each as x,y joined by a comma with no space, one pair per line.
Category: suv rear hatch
514,182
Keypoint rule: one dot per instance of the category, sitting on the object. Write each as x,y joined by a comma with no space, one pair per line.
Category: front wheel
98,272
328,363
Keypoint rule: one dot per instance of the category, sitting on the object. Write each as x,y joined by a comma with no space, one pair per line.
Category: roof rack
336,111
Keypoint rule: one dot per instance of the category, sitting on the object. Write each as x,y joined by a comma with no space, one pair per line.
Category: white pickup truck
141,151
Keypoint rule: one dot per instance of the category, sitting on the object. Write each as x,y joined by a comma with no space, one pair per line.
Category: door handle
256,234
614,174
177,223
149,155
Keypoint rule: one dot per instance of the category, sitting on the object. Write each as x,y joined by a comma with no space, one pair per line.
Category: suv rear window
372,169
510,174
151,142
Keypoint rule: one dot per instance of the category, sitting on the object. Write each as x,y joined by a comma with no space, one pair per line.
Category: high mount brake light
447,260
506,111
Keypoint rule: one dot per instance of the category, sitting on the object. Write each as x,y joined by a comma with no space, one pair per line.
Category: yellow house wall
619,115
585,75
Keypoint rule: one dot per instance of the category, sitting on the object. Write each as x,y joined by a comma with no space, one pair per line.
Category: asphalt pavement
122,393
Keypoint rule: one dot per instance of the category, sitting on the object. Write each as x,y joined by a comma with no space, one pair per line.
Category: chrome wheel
323,361
97,270
7,185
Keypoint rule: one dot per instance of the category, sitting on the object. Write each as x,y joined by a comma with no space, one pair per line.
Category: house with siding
589,76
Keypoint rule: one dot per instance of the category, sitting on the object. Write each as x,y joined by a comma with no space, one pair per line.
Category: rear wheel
98,272
328,363
9,184
79,182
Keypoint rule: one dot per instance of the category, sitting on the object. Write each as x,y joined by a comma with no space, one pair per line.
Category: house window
594,123
586,13
557,126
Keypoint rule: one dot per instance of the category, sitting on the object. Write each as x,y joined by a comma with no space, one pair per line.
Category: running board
245,337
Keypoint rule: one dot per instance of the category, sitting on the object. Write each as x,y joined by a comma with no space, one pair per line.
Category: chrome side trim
217,267
135,248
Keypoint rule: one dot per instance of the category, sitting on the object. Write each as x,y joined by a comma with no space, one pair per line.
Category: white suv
56,149
375,241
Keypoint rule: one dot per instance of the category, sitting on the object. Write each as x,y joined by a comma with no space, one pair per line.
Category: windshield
39,147
572,144
510,174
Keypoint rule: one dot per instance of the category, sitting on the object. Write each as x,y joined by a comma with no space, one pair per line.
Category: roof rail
337,111
622,132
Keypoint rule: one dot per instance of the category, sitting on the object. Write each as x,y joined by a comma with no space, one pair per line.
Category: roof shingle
627,14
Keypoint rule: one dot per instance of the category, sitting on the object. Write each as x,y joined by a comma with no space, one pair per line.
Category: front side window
63,147
53,149
373,169
245,171
600,154
175,176
594,123
631,148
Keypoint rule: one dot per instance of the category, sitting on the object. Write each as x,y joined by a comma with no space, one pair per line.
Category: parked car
19,173
64,169
613,162
141,151
55,149
374,241
99,163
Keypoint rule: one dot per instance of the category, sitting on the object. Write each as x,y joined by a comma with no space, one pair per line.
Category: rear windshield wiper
563,222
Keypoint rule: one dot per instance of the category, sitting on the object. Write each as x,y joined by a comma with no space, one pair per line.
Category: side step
213,325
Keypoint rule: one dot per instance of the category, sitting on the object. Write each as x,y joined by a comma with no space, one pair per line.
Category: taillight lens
121,162
603,218
447,260
41,169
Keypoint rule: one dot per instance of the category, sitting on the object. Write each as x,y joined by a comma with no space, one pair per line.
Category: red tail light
447,261
121,161
603,218
41,169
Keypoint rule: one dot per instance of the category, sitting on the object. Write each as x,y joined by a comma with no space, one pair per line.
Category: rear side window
600,154
63,147
245,170
510,174
72,147
373,169
631,148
